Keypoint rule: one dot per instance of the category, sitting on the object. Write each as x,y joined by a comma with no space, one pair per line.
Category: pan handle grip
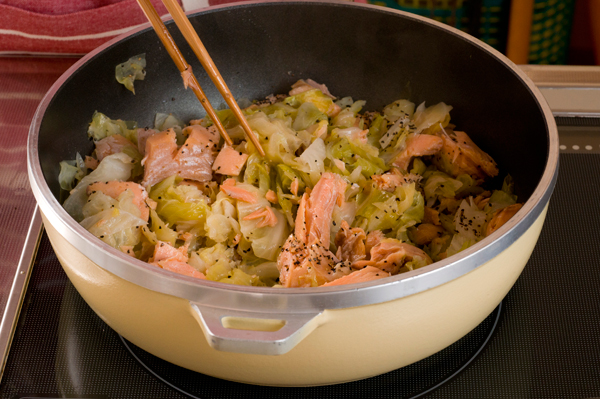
253,333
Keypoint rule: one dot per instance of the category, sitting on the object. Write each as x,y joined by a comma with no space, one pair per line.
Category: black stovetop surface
542,342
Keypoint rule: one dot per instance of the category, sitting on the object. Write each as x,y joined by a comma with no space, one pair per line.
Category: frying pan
302,336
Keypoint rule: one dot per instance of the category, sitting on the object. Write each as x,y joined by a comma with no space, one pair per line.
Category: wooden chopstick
195,43
167,40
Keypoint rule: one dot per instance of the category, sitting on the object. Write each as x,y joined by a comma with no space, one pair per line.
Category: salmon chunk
111,145
373,238
305,85
271,196
142,135
210,136
266,214
114,188
308,266
173,259
164,251
424,233
365,274
350,243
500,217
305,259
391,254
163,159
459,154
417,145
181,268
394,179
91,163
238,193
229,162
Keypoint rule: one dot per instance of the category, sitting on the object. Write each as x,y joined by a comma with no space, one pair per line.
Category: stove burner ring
445,364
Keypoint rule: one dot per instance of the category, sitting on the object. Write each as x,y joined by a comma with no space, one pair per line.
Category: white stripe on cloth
68,38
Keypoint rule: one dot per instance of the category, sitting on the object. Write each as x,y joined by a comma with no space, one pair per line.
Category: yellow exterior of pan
348,344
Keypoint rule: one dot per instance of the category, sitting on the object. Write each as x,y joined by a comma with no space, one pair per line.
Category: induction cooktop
543,340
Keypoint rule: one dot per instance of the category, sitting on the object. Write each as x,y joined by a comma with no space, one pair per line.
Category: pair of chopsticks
195,43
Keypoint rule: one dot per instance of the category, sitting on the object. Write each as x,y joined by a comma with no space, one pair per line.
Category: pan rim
301,299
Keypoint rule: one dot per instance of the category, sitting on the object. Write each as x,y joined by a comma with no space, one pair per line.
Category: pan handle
253,333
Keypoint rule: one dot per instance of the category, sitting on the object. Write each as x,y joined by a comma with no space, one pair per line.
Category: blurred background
557,32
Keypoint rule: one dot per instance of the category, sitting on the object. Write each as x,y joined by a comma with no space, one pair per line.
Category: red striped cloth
65,26
73,26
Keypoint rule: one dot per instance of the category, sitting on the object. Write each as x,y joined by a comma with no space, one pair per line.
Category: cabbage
469,220
164,122
312,160
376,130
308,114
399,109
115,227
102,126
98,202
266,241
412,215
419,167
346,212
402,209
266,271
437,248
347,117
278,140
179,203
368,168
217,264
71,172
131,70
350,133
239,277
508,186
344,102
356,176
207,257
280,111
137,170
227,118
113,167
286,205
357,154
221,224
285,178
430,116
439,184
459,243
469,186
161,230
315,96
499,199
257,172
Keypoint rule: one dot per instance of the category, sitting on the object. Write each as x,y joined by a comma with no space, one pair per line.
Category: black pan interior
368,53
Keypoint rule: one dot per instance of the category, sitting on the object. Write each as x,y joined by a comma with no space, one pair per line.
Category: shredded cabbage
131,70
242,230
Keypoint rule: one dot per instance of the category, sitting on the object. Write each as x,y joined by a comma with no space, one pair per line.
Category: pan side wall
374,339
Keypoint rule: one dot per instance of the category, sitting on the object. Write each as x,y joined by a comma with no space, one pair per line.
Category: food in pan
341,196
131,70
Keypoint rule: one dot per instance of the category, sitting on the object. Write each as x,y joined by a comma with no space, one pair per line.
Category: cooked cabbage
242,229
